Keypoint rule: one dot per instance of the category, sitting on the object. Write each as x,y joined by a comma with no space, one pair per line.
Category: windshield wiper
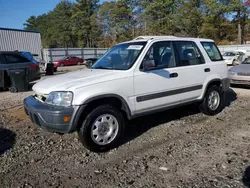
101,67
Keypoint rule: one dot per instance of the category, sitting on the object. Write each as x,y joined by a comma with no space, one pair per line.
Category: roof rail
154,37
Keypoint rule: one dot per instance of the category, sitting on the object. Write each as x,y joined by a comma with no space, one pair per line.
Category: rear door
75,60
193,69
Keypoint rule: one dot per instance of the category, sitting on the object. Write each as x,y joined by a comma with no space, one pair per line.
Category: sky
14,13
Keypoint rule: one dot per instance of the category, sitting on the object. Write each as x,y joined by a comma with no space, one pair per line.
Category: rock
97,172
223,166
131,182
163,168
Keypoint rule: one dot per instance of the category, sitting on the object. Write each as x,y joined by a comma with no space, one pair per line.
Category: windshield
247,61
229,54
120,57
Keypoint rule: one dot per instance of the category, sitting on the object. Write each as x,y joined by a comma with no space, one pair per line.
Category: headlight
60,98
232,72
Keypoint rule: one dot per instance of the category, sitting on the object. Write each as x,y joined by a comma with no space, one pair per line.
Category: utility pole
239,33
239,28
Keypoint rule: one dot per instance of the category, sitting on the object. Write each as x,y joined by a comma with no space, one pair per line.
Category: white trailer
21,40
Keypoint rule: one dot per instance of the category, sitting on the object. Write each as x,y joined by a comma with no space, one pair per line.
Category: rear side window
14,58
212,51
188,53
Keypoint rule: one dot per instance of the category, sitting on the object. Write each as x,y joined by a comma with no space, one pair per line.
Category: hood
69,81
244,68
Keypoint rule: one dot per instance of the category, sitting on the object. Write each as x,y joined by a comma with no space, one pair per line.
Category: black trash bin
19,80
1,79
49,69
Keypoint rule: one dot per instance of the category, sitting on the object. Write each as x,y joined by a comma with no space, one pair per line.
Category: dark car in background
30,56
15,60
67,61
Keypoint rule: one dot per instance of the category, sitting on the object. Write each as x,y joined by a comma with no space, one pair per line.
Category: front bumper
51,118
239,80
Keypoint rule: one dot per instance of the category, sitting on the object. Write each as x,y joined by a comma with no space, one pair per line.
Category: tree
81,18
31,23
62,25
87,23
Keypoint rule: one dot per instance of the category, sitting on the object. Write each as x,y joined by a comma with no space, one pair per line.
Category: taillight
33,65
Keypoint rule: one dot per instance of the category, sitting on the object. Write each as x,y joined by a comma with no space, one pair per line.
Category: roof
172,38
153,37
9,52
21,30
147,38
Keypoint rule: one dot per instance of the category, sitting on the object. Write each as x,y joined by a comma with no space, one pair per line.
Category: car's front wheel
213,101
102,128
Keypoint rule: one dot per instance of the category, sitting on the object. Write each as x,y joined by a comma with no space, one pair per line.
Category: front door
161,86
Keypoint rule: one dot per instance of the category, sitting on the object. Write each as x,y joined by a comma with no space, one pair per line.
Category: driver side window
162,54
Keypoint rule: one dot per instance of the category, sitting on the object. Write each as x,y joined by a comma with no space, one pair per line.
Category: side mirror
148,65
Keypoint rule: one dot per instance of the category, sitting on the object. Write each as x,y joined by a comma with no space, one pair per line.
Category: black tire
204,106
84,132
89,63
13,89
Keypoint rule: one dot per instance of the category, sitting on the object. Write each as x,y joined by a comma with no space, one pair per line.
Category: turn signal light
66,119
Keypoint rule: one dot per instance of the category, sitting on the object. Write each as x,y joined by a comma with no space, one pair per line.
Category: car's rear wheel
213,101
234,63
102,128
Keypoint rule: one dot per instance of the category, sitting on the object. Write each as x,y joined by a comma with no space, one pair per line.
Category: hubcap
104,129
213,100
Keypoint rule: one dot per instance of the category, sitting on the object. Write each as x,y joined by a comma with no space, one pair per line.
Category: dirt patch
14,115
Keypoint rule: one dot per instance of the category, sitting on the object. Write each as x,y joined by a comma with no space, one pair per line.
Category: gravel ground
175,148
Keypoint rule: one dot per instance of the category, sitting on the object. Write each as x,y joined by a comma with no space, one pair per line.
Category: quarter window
212,51
188,53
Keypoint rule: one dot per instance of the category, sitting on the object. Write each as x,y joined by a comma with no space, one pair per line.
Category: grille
243,74
41,98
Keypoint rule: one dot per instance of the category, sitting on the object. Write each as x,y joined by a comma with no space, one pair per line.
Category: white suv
134,78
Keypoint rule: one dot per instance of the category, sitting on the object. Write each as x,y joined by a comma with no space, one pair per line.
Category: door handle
173,75
207,69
